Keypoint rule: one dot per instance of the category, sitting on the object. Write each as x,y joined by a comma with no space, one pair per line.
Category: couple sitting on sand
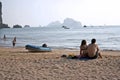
90,51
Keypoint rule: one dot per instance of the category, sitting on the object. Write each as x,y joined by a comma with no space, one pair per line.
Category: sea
108,37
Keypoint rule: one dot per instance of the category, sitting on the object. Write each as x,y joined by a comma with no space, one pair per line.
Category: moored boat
34,48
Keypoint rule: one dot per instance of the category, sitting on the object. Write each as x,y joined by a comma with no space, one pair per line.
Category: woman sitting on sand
83,48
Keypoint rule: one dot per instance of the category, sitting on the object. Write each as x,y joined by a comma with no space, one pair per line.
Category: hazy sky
42,12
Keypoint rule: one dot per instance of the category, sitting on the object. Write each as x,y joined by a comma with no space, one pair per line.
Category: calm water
107,37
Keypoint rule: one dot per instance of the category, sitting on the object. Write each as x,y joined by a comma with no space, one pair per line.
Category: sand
19,64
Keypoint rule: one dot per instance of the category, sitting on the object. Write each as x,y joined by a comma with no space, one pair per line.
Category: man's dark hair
93,41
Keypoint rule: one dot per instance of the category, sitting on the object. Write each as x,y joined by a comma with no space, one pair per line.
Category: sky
43,12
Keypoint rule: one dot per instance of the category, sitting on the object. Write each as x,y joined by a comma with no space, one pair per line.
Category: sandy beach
19,64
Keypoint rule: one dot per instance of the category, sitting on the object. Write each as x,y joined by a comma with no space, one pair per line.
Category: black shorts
94,56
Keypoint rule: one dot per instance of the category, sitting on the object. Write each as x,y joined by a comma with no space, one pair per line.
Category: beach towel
76,57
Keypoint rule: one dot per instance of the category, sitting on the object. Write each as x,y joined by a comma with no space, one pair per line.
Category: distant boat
65,27
84,26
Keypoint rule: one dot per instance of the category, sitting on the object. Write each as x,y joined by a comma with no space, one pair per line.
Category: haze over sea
108,37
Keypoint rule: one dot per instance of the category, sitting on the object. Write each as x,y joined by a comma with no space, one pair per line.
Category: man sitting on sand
93,50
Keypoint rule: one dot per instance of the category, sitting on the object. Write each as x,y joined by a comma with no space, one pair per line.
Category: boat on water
65,27
33,48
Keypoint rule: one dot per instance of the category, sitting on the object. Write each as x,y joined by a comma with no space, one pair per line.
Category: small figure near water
4,38
14,41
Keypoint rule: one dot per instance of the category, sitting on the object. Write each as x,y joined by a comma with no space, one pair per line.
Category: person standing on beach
83,48
93,50
4,38
14,41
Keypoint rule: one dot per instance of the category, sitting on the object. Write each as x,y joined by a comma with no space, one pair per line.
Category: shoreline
58,48
73,50
61,47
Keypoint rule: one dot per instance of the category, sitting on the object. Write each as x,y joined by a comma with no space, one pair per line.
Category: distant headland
68,23
2,25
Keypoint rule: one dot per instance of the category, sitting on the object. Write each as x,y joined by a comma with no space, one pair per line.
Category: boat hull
34,48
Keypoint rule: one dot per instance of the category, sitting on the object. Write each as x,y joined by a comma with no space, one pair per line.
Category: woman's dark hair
93,41
83,42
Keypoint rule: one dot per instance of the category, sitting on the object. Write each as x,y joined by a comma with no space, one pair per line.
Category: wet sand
19,64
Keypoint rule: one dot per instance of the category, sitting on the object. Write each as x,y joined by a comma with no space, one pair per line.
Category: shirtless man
93,50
